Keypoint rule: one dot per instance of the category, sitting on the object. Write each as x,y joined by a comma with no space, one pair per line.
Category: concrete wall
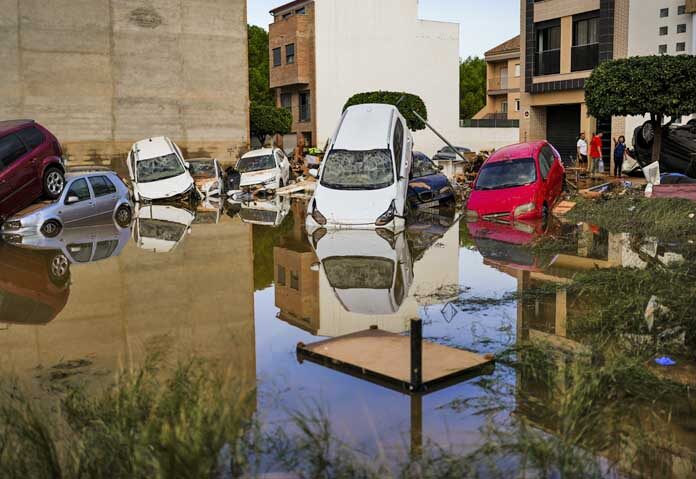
365,45
477,139
102,74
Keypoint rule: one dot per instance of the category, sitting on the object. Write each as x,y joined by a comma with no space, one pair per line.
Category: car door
79,206
16,175
38,149
105,196
399,149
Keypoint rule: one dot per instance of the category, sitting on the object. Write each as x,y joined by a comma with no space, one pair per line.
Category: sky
483,23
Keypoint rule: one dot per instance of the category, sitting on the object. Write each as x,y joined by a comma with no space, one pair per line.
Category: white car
363,180
267,168
270,212
158,171
208,176
160,228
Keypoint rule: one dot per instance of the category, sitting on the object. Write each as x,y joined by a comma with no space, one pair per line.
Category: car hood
258,177
428,184
29,210
347,207
489,202
165,188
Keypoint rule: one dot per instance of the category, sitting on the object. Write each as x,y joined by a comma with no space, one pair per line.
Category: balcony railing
489,123
498,83
548,62
584,57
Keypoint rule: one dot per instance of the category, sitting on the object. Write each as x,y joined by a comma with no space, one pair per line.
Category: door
563,129
105,197
78,204
16,175
38,150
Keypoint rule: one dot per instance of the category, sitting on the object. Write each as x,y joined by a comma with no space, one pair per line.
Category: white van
158,171
363,179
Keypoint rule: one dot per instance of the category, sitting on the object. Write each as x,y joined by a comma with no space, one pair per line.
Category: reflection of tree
264,239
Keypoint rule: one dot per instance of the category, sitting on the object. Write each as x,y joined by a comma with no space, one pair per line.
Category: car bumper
395,225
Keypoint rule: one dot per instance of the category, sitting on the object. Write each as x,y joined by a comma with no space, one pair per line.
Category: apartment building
324,51
503,72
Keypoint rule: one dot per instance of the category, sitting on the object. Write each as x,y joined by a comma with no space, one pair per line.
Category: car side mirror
314,173
187,165
71,200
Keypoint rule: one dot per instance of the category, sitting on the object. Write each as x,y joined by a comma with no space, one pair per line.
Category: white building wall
367,45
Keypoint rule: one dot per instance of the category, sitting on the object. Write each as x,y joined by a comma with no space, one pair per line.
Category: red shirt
596,147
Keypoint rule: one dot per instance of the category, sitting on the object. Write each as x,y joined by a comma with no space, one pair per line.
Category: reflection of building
503,72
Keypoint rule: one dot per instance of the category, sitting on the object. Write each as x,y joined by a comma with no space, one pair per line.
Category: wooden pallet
563,207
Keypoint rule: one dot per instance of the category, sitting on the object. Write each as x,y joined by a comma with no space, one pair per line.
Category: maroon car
31,165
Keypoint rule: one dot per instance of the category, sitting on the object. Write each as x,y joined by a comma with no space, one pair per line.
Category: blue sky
483,23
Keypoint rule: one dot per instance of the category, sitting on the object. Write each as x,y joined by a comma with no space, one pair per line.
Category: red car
521,181
31,165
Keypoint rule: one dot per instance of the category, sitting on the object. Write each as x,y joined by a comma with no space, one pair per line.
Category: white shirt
582,146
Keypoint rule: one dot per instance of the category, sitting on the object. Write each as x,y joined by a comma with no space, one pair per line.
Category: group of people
594,161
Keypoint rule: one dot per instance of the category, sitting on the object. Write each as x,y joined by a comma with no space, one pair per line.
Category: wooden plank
388,356
297,187
563,207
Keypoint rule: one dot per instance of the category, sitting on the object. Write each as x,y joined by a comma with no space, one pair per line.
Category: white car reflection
266,212
160,228
370,271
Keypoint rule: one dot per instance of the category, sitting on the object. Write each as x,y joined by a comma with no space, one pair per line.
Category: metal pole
416,354
456,152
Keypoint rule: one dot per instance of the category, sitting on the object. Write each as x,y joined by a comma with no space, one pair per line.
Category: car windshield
358,170
159,168
422,166
256,163
506,174
162,230
202,169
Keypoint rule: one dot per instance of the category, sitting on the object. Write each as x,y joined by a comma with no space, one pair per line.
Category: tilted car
86,196
208,176
158,171
428,187
31,165
161,228
448,153
267,168
678,150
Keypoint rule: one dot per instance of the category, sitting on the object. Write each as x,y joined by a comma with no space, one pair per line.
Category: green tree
660,86
259,90
269,120
472,86
407,104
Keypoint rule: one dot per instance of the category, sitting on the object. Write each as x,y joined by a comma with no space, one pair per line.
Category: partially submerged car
678,147
158,171
448,153
86,197
363,179
267,168
266,212
428,187
160,228
208,176
31,165
520,182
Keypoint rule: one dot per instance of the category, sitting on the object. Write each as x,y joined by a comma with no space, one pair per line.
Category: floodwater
244,285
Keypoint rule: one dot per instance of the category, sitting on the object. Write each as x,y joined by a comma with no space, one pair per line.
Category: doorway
563,128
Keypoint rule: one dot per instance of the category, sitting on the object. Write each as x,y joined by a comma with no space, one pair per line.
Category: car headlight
388,216
13,225
525,208
317,216
472,215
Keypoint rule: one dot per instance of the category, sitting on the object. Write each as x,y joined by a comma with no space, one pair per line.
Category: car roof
71,175
7,126
365,127
259,152
519,150
153,147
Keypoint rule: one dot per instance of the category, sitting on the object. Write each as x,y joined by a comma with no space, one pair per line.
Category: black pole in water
416,354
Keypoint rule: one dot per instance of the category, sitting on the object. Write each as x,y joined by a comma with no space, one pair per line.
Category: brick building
503,72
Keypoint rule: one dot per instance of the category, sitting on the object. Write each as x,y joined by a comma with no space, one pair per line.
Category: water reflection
160,228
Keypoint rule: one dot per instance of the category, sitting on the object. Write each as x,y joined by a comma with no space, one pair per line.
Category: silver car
87,196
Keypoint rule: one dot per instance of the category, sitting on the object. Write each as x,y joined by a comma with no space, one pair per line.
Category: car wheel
647,133
59,269
124,216
53,183
51,228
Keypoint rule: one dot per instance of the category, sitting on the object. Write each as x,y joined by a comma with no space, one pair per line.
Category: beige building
102,74
503,72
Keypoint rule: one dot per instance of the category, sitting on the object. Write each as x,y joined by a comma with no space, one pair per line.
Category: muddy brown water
244,285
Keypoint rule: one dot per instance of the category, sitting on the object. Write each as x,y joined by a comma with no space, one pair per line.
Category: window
11,149
287,15
105,249
681,28
681,47
294,281
281,275
301,11
286,101
305,110
78,189
585,51
504,107
398,144
276,57
662,49
256,163
681,10
307,138
422,166
290,54
506,174
81,252
517,69
517,104
159,168
664,12
545,162
548,50
102,186
664,31
32,137
358,170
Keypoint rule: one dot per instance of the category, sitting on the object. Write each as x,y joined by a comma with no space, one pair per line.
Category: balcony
584,57
497,84
548,62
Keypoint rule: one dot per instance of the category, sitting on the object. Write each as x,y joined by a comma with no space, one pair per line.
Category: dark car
678,147
30,165
448,153
428,187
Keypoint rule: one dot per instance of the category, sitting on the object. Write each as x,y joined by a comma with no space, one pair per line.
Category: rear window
32,137
506,174
358,170
11,149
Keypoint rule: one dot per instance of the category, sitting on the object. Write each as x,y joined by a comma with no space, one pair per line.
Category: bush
269,120
409,103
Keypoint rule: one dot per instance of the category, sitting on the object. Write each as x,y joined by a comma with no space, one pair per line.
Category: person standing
595,152
619,155
582,150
